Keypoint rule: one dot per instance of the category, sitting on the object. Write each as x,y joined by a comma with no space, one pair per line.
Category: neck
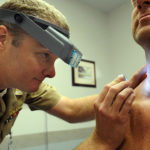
146,85
2,80
3,72
2,85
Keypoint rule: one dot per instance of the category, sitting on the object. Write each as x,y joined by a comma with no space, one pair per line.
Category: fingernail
122,75
125,78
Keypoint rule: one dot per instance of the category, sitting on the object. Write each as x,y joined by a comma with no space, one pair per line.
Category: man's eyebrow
44,49
47,50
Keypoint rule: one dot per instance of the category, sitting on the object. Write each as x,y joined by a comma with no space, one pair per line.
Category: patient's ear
3,36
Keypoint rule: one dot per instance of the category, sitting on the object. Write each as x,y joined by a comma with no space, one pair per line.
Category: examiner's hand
112,113
112,109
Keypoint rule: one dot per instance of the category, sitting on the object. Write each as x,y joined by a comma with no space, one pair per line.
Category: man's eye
45,55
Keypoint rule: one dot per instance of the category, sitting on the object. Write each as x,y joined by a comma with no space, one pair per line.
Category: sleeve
44,99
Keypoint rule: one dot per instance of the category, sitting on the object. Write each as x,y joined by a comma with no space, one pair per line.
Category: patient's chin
142,37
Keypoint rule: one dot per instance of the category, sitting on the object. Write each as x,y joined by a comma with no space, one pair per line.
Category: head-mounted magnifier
52,37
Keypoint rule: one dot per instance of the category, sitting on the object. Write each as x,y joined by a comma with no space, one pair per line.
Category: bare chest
138,134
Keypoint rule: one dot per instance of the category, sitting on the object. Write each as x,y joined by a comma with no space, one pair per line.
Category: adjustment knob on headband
18,18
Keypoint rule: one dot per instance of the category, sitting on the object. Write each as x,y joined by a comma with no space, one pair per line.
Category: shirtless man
138,134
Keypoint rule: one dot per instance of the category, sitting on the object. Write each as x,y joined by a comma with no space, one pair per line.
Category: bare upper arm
63,109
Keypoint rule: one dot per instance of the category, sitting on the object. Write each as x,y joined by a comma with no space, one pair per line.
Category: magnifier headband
52,37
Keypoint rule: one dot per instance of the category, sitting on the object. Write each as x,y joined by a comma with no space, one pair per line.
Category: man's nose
142,3
49,72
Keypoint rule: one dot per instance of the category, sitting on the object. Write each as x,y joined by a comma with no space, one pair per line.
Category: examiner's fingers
108,86
113,92
138,77
127,105
120,99
120,78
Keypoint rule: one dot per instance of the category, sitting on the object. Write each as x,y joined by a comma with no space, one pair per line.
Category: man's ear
3,36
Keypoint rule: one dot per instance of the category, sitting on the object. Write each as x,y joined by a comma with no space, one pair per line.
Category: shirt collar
3,92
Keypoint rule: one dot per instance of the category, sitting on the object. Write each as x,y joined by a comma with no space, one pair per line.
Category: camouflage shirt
11,103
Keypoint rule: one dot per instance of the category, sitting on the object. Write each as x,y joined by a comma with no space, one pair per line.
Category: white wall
125,55
89,33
